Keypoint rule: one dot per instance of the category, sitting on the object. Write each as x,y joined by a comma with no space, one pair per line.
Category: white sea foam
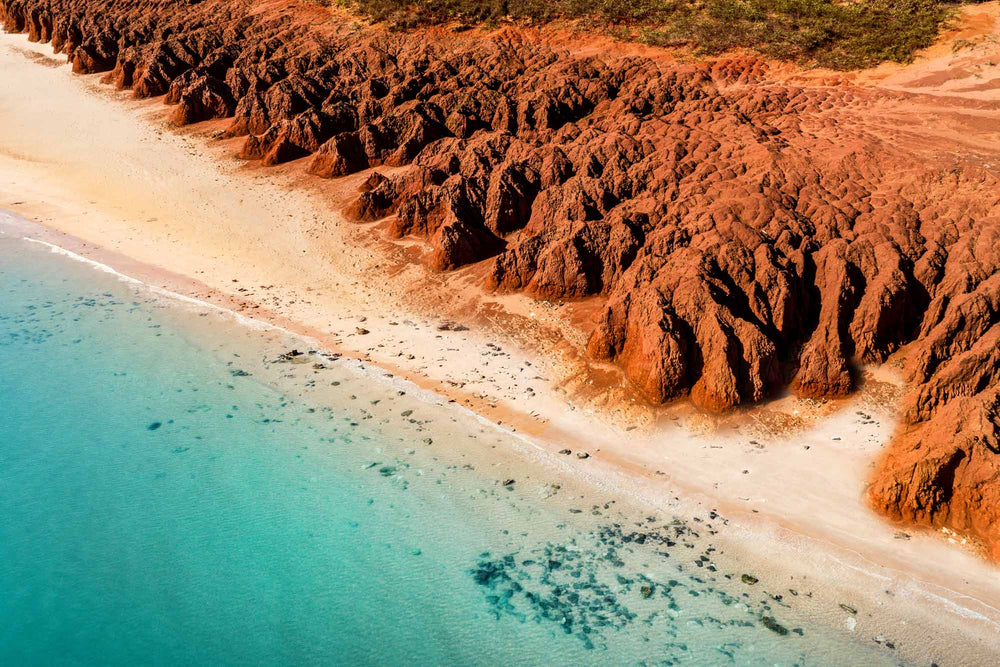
160,291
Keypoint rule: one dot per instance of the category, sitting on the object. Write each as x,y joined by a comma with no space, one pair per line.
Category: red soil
750,234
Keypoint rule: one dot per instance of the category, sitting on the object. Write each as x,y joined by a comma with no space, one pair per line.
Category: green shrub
841,34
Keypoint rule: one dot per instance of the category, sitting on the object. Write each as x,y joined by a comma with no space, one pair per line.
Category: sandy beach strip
109,180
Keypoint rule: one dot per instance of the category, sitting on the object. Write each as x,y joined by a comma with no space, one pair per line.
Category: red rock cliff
749,234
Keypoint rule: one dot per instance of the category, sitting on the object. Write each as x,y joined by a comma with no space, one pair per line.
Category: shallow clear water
172,491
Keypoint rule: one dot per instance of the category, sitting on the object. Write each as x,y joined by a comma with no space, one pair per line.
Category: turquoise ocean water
173,491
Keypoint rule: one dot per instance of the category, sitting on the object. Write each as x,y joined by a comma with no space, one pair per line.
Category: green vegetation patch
840,34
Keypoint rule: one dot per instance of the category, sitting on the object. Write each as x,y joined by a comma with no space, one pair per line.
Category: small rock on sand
773,625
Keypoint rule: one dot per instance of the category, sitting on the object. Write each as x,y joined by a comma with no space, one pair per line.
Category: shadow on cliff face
748,234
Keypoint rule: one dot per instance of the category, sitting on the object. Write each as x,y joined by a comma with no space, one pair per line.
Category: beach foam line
955,607
159,291
923,588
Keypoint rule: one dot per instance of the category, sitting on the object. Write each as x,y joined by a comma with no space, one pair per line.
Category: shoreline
561,423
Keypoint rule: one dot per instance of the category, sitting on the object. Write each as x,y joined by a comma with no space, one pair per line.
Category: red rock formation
199,97
748,235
